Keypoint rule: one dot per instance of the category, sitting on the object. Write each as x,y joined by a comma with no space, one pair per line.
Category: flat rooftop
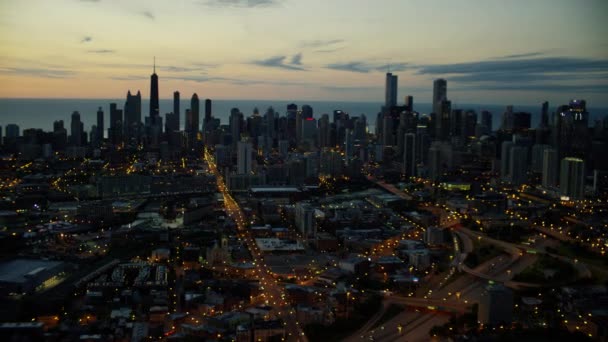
15,271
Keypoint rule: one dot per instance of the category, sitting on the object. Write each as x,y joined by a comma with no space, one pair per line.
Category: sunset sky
516,51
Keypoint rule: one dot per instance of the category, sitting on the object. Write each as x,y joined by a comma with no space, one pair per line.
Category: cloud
242,3
102,51
530,65
522,55
365,67
329,50
38,72
86,39
88,0
237,81
565,88
172,68
128,78
297,59
320,43
148,15
279,62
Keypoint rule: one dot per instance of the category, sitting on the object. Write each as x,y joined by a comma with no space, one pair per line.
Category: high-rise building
571,130
176,110
390,91
409,155
305,219
440,93
77,130
132,119
195,112
505,158
236,125
409,103
544,115
324,131
538,152
442,124
572,178
208,113
435,164
549,178
496,305
349,145
486,120
243,157
12,131
154,107
100,129
518,165
116,124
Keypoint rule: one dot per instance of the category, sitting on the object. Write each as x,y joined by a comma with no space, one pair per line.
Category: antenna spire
155,64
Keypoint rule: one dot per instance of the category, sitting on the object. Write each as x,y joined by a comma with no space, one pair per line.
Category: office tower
305,219
309,132
468,124
360,129
549,168
390,91
0,135
422,143
100,129
324,131
409,155
544,115
486,121
572,178
132,119
189,119
208,114
171,123
307,112
348,145
195,112
505,158
518,165
77,130
521,121
243,157
496,305
93,136
154,107
538,152
270,119
435,165
440,93
571,130
176,111
236,125
507,119
409,102
442,124
116,126
11,132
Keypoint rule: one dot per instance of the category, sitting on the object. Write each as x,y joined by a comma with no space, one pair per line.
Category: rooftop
17,270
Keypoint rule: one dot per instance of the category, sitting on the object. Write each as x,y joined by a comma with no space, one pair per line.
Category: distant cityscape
293,225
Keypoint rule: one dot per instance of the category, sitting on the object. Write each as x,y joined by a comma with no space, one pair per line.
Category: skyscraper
194,107
409,102
572,178
132,119
243,157
176,111
518,164
549,168
390,91
486,120
100,129
116,127
208,114
154,107
77,130
440,93
409,155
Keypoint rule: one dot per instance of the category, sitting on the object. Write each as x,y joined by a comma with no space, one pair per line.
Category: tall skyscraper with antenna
154,107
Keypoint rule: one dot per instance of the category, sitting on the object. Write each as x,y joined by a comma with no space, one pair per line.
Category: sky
489,51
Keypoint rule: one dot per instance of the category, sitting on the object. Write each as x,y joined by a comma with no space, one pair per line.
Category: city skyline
264,51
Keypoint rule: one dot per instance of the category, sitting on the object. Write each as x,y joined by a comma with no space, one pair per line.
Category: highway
273,292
